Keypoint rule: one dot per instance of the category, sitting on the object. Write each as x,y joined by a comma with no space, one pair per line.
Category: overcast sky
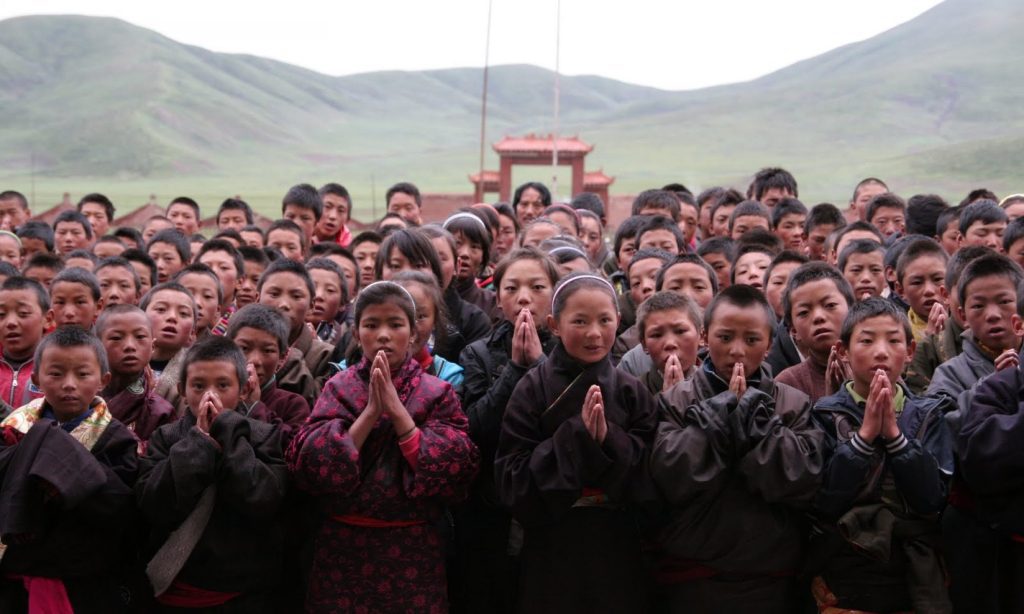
678,44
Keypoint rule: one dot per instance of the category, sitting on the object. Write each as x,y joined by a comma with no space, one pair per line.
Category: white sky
672,44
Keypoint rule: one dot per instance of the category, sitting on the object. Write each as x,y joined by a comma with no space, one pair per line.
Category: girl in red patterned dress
386,448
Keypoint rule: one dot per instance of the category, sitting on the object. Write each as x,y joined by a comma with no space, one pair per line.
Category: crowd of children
739,404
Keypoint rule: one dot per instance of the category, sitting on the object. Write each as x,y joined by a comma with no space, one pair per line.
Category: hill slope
96,103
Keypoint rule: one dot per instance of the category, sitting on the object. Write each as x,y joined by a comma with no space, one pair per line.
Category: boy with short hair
337,210
253,236
643,274
670,327
71,231
229,266
36,237
862,263
889,462
99,210
234,214
172,312
947,230
1013,241
364,249
656,202
254,262
989,293
262,335
747,215
204,285
24,305
788,219
211,485
287,237
822,221
303,206
183,212
750,265
865,190
75,298
736,490
659,232
108,246
888,213
153,225
66,486
171,251
852,232
126,334
145,268
771,185
814,305
776,276
330,299
721,212
719,252
921,279
81,258
983,222
119,282
43,267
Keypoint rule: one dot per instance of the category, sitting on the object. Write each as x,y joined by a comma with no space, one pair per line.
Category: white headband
567,248
554,297
400,287
464,216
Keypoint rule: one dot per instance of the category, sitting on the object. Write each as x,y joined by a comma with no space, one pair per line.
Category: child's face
877,343
669,333
425,316
563,221
576,265
172,317
168,260
626,251
525,285
506,236
777,285
43,275
590,234
70,378
224,266
817,310
153,227
924,283
750,268
688,218
253,238
1014,211
287,293
816,240
327,299
539,233
72,303
641,278
385,327
738,335
129,343
791,231
204,291
231,219
351,272
287,242
261,350
247,293
744,223
848,238
690,280
69,236
721,266
10,251
720,221
366,255
21,322
889,221
145,277
305,218
33,246
184,218
218,376
661,238
986,235
866,274
1016,251
445,256
117,286
587,324
79,263
470,255
108,249
990,312
950,237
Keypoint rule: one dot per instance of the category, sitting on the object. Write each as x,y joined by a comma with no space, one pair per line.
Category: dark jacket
467,323
485,300
284,409
930,353
783,353
963,371
629,339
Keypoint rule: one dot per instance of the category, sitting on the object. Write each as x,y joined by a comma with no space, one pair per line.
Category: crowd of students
739,404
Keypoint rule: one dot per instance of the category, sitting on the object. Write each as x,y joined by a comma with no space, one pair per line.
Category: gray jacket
962,372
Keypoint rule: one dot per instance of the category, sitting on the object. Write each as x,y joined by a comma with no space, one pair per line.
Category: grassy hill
99,104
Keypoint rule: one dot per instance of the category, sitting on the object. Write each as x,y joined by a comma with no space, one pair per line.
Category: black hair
122,263
197,237
215,349
44,260
253,254
854,226
545,193
176,239
303,196
744,249
709,195
923,211
824,214
198,268
728,198
475,233
786,206
772,178
414,245
74,217
588,201
229,233
252,228
742,296
786,255
979,194
82,253
261,317
132,234
993,265
505,210
286,265
366,236
326,264
36,229
648,254
433,290
947,216
19,282
566,209
235,204
887,200
659,222
749,208
762,238
335,189
66,337
385,291
662,200
718,245
677,188
984,211
810,272
15,195
99,199
221,245
326,248
694,259
109,238
873,307
920,247
8,270
960,259
579,281
895,249
1014,232
668,301
866,182
404,187
172,286
185,200
290,226
860,246
76,275
137,255
103,321
525,253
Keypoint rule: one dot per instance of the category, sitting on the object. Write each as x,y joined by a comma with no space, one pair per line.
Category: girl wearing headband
569,258
571,462
10,248
386,448
473,255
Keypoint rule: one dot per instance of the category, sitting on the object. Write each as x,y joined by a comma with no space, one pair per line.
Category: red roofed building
536,150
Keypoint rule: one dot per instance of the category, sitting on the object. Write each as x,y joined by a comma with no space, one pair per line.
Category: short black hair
588,201
866,182
984,211
229,233
709,195
648,254
763,238
215,349
99,199
15,195
993,265
221,245
947,216
678,188
718,245
657,199
303,196
132,234
190,203
335,189
810,272
76,275
895,249
103,321
786,255
235,204
824,214
290,226
326,248
414,245
627,230
137,255
74,217
728,198
749,208
36,229
366,236
121,263
923,211
786,206
659,222
960,259
886,200
540,188
171,286
921,247
252,228
66,337
874,307
261,317
855,226
253,254
1014,232
44,260
860,246
404,187
287,265
979,194
326,264
198,268
743,250
741,296
8,270
694,259
668,301
772,178
24,283
176,239
82,253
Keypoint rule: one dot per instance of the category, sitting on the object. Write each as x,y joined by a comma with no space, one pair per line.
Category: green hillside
99,104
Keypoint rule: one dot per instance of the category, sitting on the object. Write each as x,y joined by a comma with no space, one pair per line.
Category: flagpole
554,136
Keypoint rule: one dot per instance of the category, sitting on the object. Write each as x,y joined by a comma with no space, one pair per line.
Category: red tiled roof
137,218
489,177
51,214
537,144
597,178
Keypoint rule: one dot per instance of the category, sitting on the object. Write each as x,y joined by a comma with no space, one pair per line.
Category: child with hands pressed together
671,328
385,449
571,462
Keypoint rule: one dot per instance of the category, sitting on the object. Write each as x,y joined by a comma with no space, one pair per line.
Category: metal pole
483,104
554,137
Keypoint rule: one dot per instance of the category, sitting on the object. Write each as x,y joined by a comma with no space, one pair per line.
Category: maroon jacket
139,407
287,410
